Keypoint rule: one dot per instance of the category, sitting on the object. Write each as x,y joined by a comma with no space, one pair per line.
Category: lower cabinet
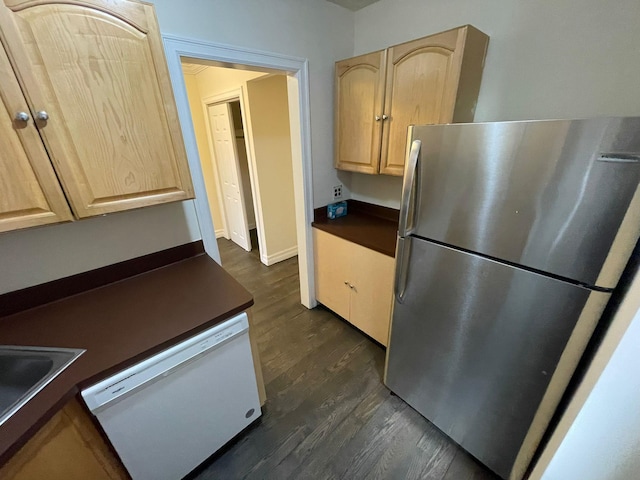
355,282
68,447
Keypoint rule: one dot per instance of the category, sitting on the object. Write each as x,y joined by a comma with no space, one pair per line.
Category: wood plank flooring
328,414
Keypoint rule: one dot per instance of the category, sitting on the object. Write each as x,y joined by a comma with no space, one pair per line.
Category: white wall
572,58
382,190
38,255
314,29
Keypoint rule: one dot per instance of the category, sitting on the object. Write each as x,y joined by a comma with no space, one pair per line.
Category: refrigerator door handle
407,207
403,248
619,157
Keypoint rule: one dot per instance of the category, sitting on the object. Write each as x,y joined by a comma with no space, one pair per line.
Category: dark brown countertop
118,324
371,226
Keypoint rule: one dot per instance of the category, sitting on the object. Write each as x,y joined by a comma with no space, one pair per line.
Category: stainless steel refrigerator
512,237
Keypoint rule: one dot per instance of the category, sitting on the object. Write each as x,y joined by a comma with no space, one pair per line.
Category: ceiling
192,68
353,5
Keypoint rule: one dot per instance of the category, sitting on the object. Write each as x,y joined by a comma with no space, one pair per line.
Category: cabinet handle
384,117
22,117
42,116
352,287
377,118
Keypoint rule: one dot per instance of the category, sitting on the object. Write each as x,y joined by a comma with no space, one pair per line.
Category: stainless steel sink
24,371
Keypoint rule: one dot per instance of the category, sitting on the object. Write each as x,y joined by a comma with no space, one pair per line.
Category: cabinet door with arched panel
30,194
431,80
94,74
359,93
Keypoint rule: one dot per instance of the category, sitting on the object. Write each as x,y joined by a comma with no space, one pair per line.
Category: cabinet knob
22,117
384,117
377,118
352,287
42,115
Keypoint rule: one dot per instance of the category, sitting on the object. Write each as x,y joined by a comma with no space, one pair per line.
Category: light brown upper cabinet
97,86
358,106
30,194
435,79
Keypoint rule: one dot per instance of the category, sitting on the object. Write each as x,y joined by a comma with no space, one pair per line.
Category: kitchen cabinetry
97,89
359,99
29,190
355,282
68,447
435,79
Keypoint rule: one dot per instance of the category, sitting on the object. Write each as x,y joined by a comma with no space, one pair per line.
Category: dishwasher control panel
128,381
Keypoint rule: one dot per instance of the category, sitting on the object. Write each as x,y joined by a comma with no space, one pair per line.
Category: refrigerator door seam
518,266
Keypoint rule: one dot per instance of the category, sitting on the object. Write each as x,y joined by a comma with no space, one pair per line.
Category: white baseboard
220,233
279,256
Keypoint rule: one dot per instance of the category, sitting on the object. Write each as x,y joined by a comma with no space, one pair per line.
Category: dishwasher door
166,415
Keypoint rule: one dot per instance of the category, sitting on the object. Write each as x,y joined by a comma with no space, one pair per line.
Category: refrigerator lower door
484,350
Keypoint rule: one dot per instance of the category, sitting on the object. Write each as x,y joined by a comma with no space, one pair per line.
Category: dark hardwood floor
328,414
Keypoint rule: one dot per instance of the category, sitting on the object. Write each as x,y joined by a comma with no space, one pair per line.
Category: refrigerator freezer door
553,195
476,348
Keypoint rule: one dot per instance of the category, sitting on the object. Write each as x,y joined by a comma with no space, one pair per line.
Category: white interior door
224,146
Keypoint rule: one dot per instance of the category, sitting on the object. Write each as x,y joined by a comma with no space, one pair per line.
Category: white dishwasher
167,414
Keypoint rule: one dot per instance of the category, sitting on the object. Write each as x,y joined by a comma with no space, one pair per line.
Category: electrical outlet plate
337,192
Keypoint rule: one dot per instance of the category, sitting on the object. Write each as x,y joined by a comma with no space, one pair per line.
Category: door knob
377,118
22,117
384,117
42,116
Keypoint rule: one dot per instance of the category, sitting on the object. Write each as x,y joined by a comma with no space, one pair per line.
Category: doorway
246,156
228,152
297,78
243,162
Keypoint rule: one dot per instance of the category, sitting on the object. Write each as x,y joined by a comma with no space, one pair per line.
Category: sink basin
24,371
